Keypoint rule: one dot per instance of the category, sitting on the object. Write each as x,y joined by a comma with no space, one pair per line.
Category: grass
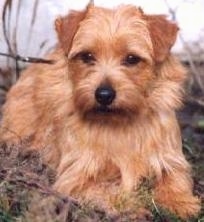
26,194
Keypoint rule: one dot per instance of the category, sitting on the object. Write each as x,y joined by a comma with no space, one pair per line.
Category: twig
157,210
172,12
197,101
6,33
196,73
155,206
14,39
27,59
33,19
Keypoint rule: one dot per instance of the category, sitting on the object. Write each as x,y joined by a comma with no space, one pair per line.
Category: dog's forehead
123,25
114,21
122,14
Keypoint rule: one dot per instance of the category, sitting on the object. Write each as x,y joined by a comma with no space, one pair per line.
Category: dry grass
26,196
26,193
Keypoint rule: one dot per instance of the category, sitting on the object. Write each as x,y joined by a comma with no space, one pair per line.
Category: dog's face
112,55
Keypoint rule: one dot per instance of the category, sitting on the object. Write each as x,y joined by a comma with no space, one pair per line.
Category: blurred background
30,31
27,28
27,34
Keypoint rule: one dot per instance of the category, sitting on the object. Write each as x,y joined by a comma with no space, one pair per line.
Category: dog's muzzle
105,95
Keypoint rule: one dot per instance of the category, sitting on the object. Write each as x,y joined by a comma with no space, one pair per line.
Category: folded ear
67,27
163,34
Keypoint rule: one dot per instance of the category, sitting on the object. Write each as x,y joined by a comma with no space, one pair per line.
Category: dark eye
86,57
131,60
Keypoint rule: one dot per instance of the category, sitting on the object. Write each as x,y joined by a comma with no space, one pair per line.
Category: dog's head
113,57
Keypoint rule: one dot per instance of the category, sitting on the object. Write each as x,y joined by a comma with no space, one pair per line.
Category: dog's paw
184,207
188,208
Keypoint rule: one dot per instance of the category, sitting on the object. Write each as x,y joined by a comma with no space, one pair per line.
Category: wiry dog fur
53,107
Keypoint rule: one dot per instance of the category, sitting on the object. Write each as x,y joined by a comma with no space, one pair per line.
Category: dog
104,111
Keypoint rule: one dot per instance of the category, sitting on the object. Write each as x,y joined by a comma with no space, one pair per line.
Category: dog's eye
131,60
86,57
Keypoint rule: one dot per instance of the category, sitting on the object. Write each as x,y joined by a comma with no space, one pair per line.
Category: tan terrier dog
105,110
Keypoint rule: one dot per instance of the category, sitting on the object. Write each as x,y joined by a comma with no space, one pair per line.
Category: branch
27,59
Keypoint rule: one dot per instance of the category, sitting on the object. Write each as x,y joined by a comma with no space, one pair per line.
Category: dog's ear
67,27
163,34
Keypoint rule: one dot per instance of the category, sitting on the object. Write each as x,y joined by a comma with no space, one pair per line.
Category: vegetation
26,194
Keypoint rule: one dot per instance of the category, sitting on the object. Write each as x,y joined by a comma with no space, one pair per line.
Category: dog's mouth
109,116
105,110
105,113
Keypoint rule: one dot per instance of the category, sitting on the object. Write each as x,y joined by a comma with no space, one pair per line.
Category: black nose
105,95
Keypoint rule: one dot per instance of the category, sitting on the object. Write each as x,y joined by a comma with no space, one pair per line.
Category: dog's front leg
75,170
131,169
70,180
174,191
